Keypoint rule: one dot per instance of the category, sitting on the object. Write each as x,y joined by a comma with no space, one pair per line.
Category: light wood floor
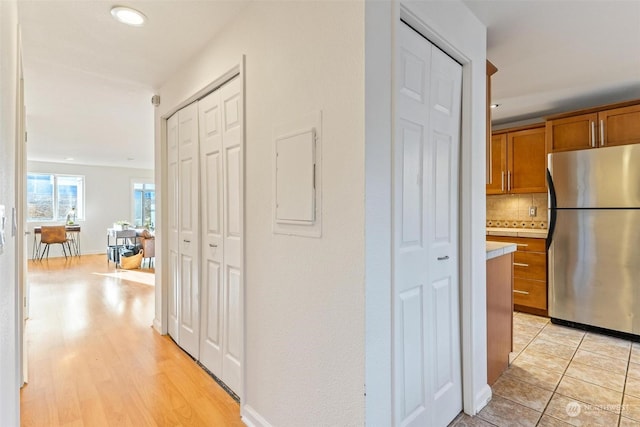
95,360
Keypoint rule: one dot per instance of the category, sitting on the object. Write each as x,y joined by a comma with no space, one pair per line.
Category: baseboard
157,325
251,417
482,398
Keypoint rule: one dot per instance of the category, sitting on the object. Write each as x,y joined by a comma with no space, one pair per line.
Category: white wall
9,366
108,199
304,296
453,28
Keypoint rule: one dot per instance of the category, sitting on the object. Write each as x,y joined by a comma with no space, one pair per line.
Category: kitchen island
499,307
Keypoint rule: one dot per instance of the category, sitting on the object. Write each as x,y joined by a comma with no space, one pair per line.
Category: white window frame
132,201
58,217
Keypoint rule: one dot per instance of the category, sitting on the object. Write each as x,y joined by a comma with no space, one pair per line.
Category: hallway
95,360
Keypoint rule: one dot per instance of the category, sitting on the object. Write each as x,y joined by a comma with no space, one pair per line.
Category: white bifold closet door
205,198
188,230
220,116
427,367
172,238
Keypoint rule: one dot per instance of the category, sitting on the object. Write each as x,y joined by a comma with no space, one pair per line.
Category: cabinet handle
442,258
508,180
515,291
211,245
593,134
602,144
502,178
187,241
522,244
519,264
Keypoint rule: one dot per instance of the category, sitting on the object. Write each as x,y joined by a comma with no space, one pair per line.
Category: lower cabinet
529,274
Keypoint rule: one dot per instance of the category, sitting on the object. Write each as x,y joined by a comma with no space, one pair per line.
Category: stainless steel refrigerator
594,238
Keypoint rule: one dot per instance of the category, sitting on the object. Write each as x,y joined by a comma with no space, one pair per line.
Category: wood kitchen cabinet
518,161
529,274
616,124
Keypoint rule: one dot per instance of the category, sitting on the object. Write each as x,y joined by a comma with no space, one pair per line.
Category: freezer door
594,269
607,177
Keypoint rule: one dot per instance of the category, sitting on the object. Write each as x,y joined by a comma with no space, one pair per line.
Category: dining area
67,236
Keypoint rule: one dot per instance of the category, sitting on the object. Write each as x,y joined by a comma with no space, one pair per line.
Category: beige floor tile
525,330
504,412
634,370
631,408
562,335
532,356
548,421
579,413
605,339
598,376
635,353
464,420
589,393
605,347
628,422
533,319
522,392
520,343
544,346
618,366
632,387
534,375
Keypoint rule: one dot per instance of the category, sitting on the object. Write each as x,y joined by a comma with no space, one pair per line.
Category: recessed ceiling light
128,16
69,159
495,105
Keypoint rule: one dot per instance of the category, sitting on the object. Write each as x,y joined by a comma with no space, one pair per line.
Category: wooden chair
52,234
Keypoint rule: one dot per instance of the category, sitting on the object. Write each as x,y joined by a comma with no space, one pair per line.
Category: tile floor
561,376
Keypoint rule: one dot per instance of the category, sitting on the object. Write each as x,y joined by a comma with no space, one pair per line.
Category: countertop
537,233
496,249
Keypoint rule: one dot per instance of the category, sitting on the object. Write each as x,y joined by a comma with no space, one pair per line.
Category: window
50,197
144,205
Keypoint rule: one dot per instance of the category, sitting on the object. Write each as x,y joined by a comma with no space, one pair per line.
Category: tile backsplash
512,210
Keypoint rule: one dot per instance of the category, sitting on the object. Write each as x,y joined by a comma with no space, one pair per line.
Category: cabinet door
526,161
497,164
619,126
530,294
572,133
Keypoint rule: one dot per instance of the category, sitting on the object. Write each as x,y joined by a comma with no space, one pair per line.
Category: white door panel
188,170
172,202
427,371
211,184
232,134
221,338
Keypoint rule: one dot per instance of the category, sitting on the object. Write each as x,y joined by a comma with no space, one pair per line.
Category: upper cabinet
518,161
491,70
601,127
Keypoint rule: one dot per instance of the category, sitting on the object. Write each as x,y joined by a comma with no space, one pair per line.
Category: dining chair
54,234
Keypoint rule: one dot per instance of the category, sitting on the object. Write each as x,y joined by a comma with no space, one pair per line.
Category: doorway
205,198
427,368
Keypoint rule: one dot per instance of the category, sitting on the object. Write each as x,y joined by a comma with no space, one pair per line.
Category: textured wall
9,387
304,296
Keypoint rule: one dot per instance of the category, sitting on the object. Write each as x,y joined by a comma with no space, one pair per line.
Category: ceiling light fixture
69,159
128,16
495,105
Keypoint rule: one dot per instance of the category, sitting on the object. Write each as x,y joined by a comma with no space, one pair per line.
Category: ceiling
559,55
89,79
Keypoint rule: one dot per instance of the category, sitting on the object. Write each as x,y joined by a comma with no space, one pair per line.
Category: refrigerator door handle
552,209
